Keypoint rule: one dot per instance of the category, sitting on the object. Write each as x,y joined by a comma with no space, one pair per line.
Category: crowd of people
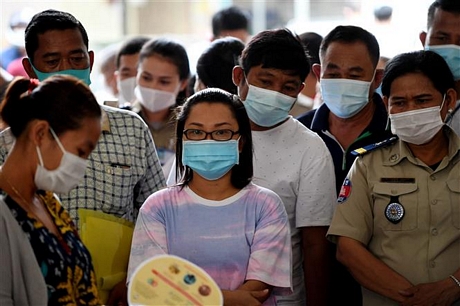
295,170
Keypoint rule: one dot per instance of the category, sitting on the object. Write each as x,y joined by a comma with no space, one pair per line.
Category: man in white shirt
288,158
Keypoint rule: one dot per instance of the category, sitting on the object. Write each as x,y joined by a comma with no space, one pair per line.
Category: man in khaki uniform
397,227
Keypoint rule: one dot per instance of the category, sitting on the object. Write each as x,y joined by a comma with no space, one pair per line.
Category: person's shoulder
262,192
114,114
303,135
375,147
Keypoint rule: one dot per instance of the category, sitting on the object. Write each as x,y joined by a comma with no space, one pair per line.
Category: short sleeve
353,217
149,238
316,200
270,259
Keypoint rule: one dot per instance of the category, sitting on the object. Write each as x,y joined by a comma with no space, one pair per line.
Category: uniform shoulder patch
345,191
374,146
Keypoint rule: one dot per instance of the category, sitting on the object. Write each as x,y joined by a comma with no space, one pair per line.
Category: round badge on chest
394,211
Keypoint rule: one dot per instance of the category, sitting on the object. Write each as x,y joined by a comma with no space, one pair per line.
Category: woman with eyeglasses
215,217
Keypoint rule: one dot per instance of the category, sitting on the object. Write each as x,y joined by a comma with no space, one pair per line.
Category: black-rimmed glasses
218,135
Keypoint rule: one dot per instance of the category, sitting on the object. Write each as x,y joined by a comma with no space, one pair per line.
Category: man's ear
237,75
28,68
316,68
451,98
378,77
422,37
91,60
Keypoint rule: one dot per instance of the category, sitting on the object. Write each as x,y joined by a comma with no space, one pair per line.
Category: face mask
344,97
209,158
154,100
126,90
451,54
267,107
417,126
65,177
82,74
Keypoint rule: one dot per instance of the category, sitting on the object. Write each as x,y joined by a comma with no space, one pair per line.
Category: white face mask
267,107
154,100
65,177
417,126
344,97
126,90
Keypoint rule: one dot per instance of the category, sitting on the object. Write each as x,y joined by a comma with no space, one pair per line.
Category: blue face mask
209,158
267,107
345,97
82,74
451,54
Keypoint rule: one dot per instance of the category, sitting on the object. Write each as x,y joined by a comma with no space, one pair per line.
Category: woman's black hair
241,173
428,63
62,100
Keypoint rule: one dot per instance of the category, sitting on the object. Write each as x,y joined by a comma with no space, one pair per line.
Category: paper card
171,280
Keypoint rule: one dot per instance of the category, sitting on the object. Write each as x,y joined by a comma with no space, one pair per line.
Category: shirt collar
401,150
105,121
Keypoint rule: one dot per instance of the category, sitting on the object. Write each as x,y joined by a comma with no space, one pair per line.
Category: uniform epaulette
372,147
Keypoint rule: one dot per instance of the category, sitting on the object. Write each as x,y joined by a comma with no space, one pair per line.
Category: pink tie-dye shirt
244,237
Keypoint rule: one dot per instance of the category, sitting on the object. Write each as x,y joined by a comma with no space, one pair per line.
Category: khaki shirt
425,245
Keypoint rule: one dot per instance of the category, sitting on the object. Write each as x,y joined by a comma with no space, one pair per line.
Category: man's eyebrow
50,54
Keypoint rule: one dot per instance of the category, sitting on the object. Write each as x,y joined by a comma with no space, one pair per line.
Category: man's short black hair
130,47
451,6
232,18
277,49
50,20
352,34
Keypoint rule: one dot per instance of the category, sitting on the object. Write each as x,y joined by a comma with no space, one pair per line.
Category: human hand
118,295
243,297
443,293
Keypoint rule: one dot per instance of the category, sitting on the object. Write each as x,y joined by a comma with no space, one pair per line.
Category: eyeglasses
218,135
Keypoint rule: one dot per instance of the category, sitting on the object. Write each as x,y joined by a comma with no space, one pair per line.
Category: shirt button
433,178
432,264
434,202
434,232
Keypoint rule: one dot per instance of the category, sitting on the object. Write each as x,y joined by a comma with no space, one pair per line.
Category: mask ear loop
57,140
449,112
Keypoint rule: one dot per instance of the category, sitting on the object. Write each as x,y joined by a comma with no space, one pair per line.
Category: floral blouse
64,261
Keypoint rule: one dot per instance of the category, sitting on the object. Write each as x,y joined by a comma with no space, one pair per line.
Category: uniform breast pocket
405,194
454,193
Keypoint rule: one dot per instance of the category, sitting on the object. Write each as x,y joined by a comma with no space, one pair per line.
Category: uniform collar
401,150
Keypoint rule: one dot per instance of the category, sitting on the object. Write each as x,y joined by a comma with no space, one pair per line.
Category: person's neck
346,130
216,190
156,117
17,178
433,151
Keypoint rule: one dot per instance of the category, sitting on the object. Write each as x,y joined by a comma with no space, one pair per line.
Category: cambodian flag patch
345,191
